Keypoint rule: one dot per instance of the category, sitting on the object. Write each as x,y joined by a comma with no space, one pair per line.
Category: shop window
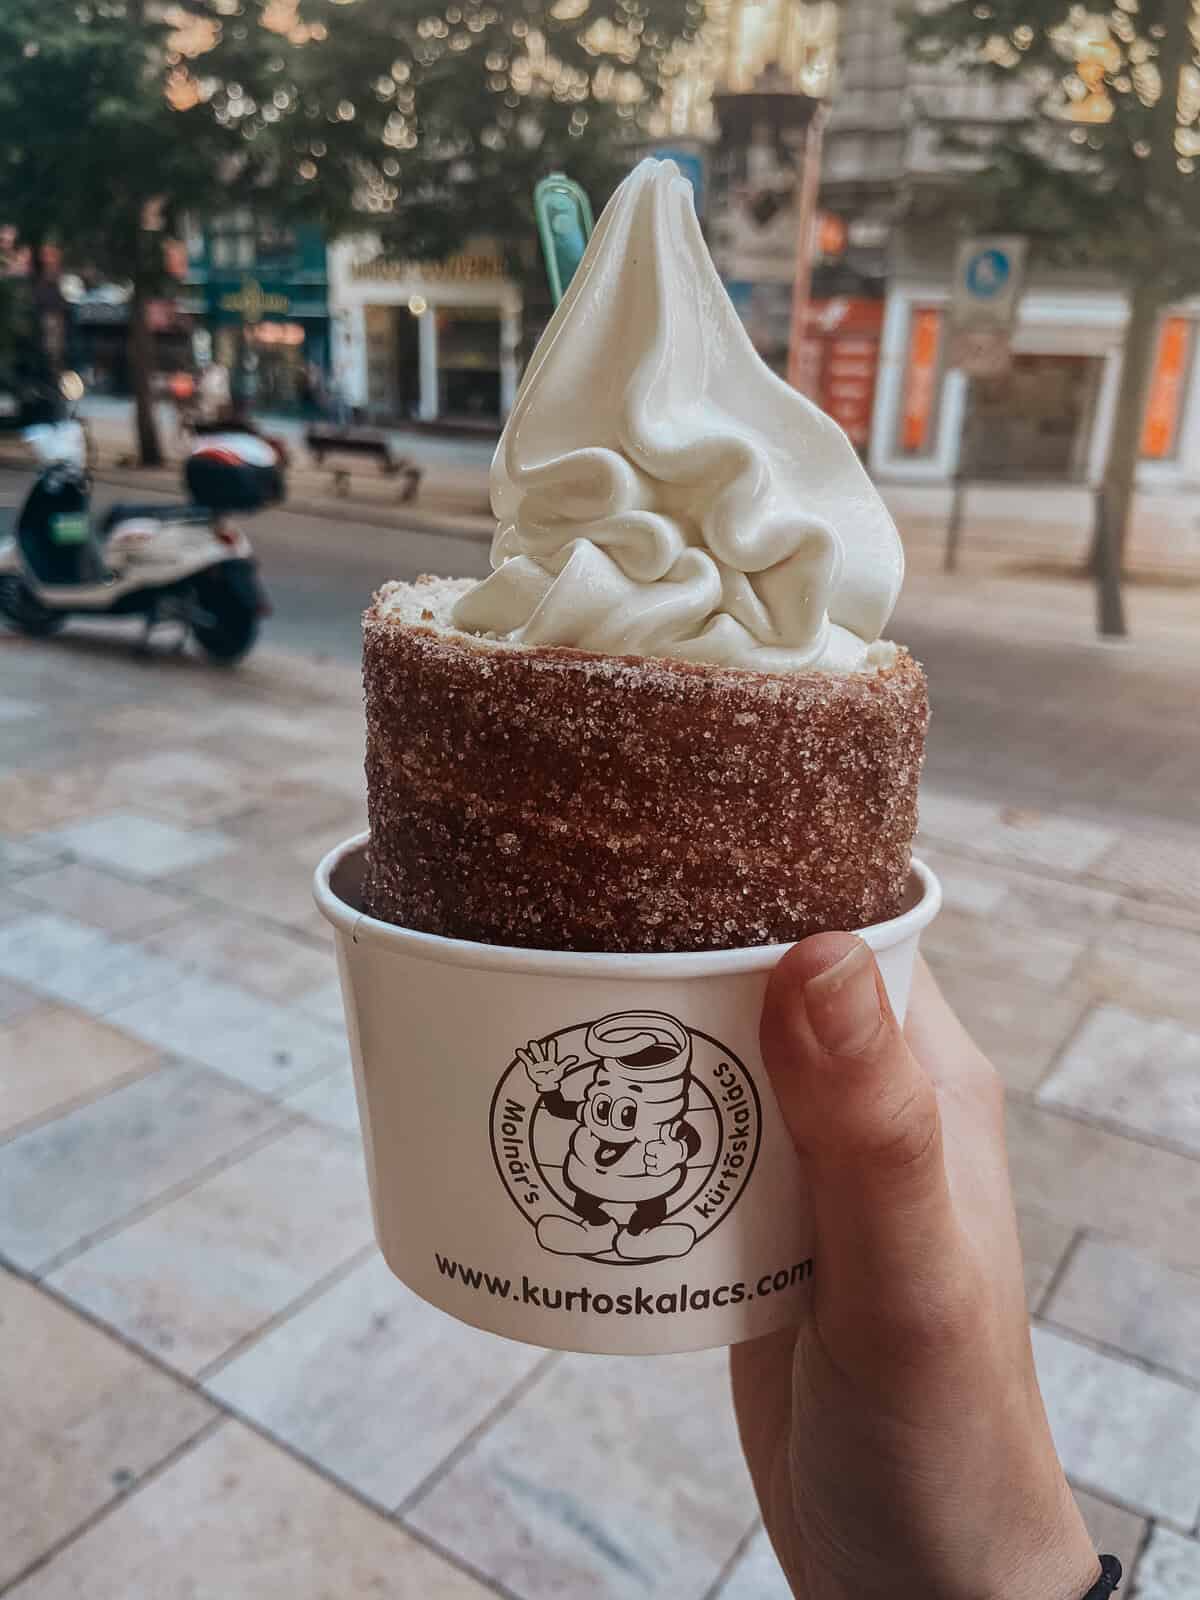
469,361
1168,385
922,382
276,245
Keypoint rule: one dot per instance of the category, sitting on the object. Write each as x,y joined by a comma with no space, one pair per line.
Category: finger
526,1060
864,1117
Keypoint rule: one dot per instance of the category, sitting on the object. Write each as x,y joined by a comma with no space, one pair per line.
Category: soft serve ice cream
660,492
665,722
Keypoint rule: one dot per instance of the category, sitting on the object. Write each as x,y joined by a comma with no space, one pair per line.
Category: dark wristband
1110,1577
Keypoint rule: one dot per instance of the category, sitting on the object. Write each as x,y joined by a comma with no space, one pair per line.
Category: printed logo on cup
626,1139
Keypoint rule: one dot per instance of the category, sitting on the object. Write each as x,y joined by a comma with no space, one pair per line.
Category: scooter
188,564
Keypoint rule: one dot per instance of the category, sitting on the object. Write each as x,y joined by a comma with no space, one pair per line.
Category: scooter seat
157,513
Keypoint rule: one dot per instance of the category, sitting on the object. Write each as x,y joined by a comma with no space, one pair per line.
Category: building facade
1051,417
258,294
424,341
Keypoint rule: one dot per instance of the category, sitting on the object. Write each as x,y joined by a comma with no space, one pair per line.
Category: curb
404,520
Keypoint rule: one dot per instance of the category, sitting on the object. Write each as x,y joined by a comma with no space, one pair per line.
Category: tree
118,117
1102,171
462,105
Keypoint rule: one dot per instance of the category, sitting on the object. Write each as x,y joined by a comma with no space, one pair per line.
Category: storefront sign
455,269
1166,389
252,302
920,379
841,361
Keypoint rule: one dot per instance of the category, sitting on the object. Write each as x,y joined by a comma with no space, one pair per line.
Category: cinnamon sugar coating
556,799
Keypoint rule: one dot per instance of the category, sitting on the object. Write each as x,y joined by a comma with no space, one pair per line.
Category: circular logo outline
605,1258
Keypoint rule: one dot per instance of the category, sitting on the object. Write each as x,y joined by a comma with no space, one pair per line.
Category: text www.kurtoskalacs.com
636,1303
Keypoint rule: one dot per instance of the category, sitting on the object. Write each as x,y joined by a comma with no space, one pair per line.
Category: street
1030,710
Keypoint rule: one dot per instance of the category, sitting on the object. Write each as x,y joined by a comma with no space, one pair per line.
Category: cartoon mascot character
633,1141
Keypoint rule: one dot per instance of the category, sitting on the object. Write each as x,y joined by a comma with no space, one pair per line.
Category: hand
897,1440
664,1155
540,1060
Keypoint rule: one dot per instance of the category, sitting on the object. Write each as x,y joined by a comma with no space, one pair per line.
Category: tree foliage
461,105
428,121
1102,170
1101,167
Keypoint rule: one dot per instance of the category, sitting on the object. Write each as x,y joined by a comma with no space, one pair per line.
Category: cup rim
360,928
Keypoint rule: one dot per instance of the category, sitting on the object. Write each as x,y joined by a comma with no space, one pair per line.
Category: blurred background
971,233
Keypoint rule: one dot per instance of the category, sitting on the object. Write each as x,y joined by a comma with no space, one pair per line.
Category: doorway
1036,421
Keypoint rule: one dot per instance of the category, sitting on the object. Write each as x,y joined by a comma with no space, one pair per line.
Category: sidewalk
453,493
1034,530
245,1402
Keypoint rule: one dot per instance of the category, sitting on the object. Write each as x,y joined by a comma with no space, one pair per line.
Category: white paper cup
580,1151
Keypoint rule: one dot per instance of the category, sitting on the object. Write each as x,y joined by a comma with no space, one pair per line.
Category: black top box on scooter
234,472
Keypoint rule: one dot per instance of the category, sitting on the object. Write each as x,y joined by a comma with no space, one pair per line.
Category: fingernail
843,1003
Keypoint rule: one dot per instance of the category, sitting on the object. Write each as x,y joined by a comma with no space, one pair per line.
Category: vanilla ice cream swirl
660,492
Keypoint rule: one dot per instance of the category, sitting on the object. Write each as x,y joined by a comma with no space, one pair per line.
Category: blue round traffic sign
988,274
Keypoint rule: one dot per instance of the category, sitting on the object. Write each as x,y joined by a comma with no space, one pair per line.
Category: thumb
863,1115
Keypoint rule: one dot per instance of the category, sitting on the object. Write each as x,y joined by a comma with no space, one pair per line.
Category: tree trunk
1114,498
47,351
141,371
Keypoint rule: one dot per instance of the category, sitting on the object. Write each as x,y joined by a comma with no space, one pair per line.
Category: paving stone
1117,971
1169,1568
1044,1243
1128,1299
262,880
1034,838
1023,955
325,1001
372,1384
67,1180
967,885
33,801
1020,1026
143,846
345,774
186,786
757,1575
330,1100
1153,867
238,1517
100,899
206,1270
244,951
1123,1433
1134,1070
1114,1530
81,966
293,809
52,1056
14,709
18,856
16,1000
266,1045
78,1435
644,1493
1090,1177
1021,896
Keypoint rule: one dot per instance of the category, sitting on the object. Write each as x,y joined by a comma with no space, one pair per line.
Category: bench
359,443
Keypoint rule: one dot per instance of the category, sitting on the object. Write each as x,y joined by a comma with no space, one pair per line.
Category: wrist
1067,1569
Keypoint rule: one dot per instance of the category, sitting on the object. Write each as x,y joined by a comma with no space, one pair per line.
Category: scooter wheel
21,608
223,625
